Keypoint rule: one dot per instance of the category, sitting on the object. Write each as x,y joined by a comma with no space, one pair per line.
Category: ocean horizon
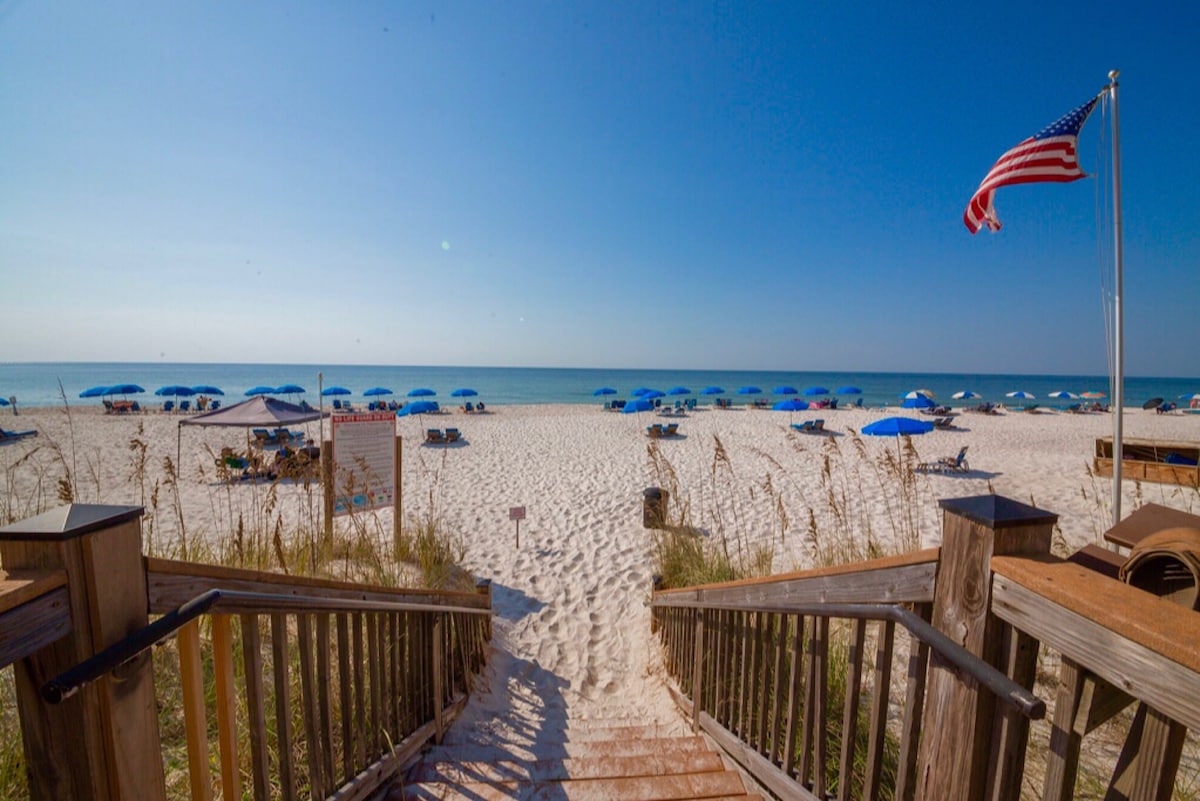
36,384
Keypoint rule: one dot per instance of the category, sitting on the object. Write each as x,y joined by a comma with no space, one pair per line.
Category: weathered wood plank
360,692
31,626
1086,632
1010,729
795,688
308,707
882,683
850,710
781,631
18,587
345,696
283,705
1062,762
324,707
910,726
226,692
1149,760
252,665
195,725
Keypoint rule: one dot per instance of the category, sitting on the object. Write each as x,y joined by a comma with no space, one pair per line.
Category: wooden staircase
589,763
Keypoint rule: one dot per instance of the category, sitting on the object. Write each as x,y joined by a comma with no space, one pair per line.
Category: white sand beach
572,634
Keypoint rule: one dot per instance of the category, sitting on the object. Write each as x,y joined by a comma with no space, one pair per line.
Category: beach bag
1167,564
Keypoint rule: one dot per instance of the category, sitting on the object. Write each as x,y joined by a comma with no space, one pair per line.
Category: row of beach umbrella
642,392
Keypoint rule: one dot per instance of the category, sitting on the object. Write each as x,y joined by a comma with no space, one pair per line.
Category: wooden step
567,749
541,770
645,788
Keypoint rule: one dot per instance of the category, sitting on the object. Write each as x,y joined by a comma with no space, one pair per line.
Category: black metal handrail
70,681
995,681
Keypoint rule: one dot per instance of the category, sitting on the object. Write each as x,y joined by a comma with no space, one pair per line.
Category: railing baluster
1062,763
781,625
811,662
324,682
795,688
345,696
283,711
766,623
879,708
191,675
308,706
360,691
375,738
398,730
743,675
222,640
850,711
252,665
821,707
910,727
439,725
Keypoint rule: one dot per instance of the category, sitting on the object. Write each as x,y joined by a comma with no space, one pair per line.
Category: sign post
517,513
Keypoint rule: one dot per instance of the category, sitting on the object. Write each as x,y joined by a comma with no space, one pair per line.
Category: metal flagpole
1118,319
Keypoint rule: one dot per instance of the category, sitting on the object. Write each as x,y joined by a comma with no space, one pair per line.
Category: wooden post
101,743
957,722
328,493
439,725
697,662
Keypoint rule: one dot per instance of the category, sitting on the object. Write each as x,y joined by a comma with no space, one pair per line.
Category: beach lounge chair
215,405
943,422
434,436
467,408
337,404
13,436
671,430
947,464
818,426
263,437
108,406
804,427
168,406
452,435
655,431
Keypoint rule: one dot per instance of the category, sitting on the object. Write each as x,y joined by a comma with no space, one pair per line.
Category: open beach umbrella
810,391
605,391
919,402
1153,403
1062,394
417,407
1093,395
749,390
377,391
916,393
651,394
125,389
3,402
790,405
1020,394
712,391
94,392
637,405
174,390
785,390
207,389
336,391
289,389
966,394
679,391
260,390
897,427
850,390
1195,396
463,392
421,392
639,392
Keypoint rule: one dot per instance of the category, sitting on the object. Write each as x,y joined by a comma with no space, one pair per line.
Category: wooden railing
821,686
339,683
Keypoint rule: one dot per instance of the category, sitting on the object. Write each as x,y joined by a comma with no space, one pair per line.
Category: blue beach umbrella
816,391
785,390
919,402
679,391
966,394
916,393
377,391
850,390
174,390
1193,397
421,392
207,389
260,390
3,402
605,391
463,392
1020,395
417,407
289,389
651,394
749,390
335,391
125,389
897,426
712,391
791,405
1062,394
94,392
639,392
637,405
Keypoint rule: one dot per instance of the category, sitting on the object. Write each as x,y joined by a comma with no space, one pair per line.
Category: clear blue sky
629,184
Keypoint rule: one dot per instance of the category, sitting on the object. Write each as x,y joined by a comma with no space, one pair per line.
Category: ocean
46,384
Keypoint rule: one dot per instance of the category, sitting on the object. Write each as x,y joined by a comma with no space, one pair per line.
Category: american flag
1048,155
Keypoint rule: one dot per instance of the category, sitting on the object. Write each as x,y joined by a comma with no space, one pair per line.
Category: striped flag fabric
1049,155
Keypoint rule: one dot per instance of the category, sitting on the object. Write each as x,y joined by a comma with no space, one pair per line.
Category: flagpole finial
1112,75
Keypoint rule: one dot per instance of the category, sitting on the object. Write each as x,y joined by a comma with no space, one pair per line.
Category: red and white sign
364,461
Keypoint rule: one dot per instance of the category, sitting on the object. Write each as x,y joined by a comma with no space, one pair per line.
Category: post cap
69,522
996,512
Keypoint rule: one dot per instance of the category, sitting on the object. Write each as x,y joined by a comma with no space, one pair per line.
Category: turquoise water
37,384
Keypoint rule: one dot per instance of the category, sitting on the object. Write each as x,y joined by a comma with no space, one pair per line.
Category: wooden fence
828,683
339,684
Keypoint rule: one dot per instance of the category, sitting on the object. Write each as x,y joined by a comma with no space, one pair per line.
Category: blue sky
759,186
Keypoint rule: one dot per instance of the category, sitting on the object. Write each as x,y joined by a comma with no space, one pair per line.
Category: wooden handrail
70,681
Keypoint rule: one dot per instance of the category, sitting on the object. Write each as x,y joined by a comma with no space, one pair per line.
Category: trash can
654,507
